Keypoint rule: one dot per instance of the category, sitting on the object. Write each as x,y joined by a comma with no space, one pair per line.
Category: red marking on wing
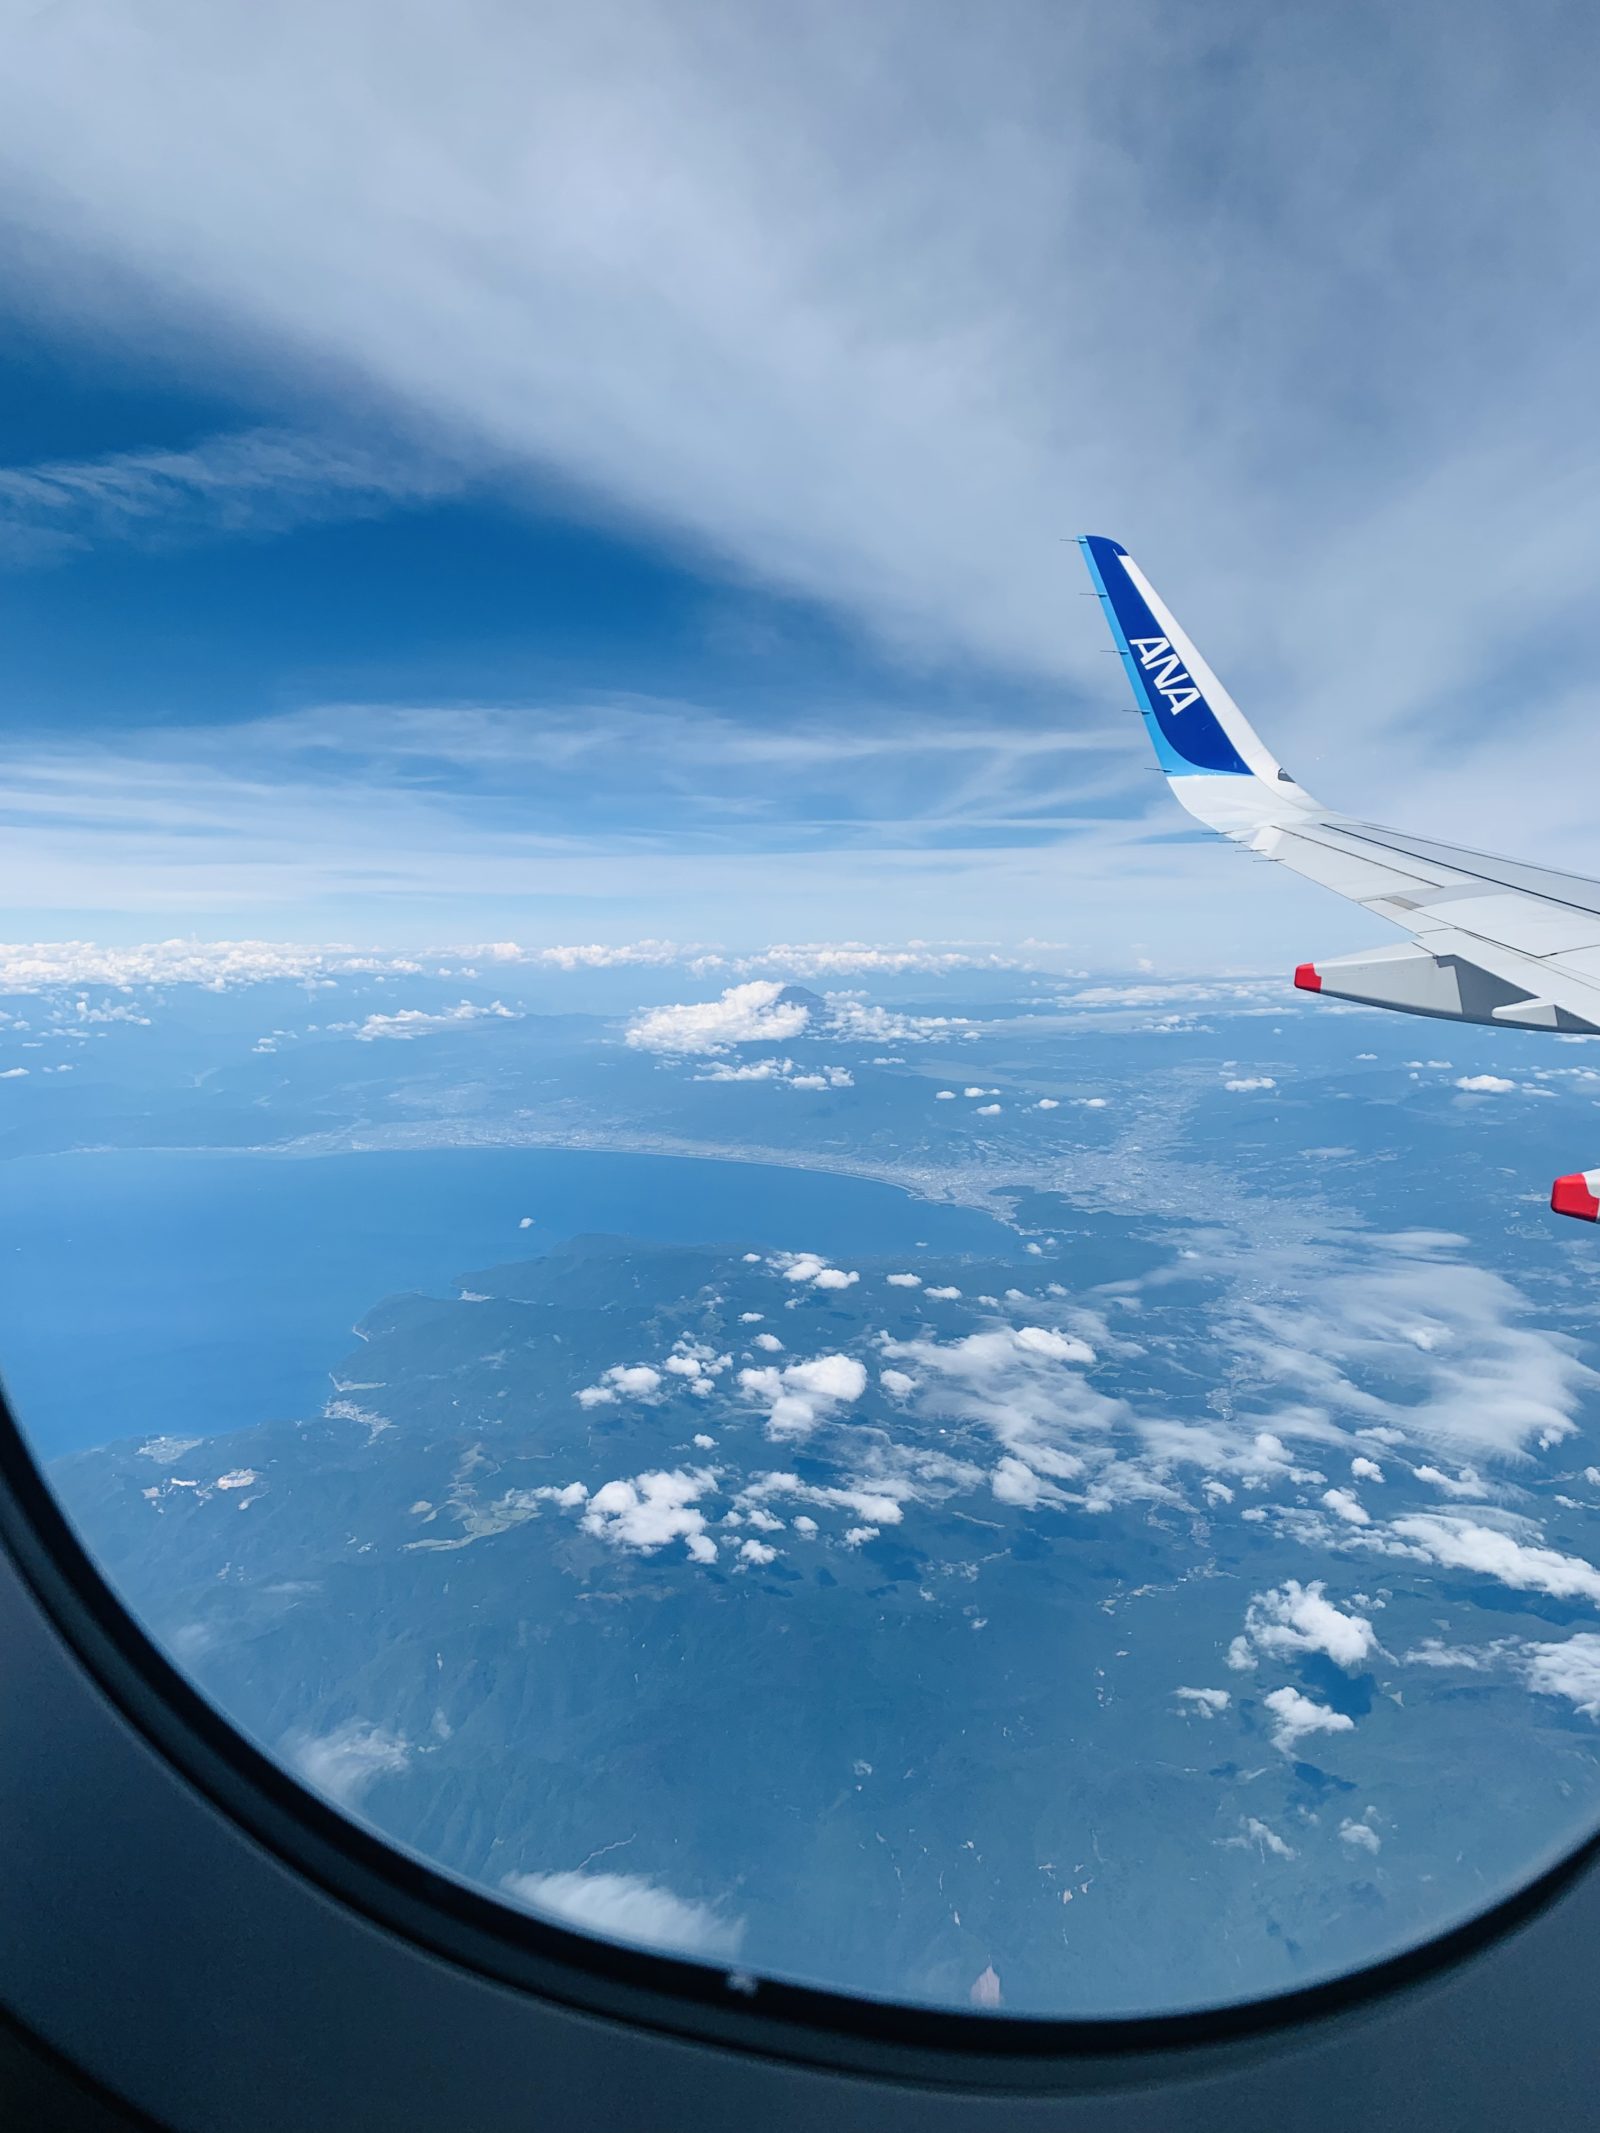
1571,1196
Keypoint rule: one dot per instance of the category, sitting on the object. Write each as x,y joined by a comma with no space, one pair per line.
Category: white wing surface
1492,940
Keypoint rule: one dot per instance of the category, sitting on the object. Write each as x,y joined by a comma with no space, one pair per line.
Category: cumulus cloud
811,1270
904,1281
1208,1703
1295,1717
1293,1619
781,1073
1467,1483
1458,1543
800,1395
1343,1504
861,1022
650,1510
631,1381
419,1022
624,956
752,1013
631,1908
1264,1838
347,1761
1251,1081
1571,1670
1360,1836
1485,1084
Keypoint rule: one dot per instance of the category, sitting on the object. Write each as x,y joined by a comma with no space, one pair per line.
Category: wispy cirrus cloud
891,365
256,481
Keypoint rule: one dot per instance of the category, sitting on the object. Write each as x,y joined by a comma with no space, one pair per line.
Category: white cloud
811,1270
1047,1103
1364,1469
345,1762
1485,1084
800,1395
632,1908
861,1022
1467,1483
1462,1368
987,1111
1571,1669
768,1341
782,1073
652,1509
945,1096
1459,1544
1022,1386
1360,1836
1057,1346
1251,1081
419,1022
904,1281
944,1295
745,1014
1209,1703
627,955
1294,1618
1296,1717
1263,1836
1346,1506
1014,1481
252,481
757,1552
633,1381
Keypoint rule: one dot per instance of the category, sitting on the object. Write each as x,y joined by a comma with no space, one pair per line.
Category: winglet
1218,765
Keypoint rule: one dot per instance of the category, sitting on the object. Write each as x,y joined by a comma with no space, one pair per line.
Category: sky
473,472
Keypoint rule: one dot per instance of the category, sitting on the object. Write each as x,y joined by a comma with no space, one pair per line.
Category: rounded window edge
453,1920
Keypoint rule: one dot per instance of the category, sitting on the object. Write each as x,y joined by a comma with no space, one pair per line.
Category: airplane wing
1492,940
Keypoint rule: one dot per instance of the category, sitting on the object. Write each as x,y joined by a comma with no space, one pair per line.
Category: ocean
192,1292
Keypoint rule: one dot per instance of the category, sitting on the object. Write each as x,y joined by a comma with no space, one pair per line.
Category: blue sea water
191,1293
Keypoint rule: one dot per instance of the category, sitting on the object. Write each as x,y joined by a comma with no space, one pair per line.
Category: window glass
660,1212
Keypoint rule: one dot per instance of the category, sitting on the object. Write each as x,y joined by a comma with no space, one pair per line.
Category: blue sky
591,474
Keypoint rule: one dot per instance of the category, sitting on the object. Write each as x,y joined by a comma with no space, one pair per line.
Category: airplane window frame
463,1924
